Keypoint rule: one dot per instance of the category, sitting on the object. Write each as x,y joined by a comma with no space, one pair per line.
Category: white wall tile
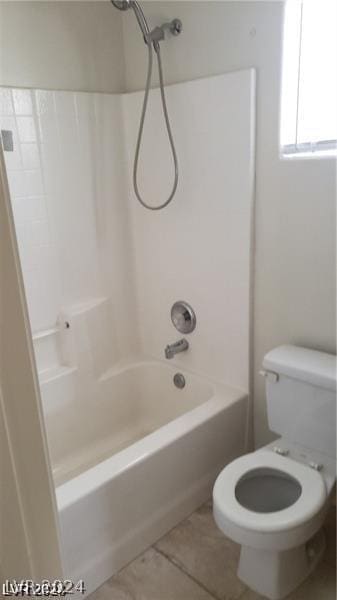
39,230
33,183
16,183
6,105
26,129
45,102
27,208
30,156
22,100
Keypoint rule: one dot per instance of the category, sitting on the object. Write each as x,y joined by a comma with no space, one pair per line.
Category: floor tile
151,577
195,561
330,531
200,549
321,585
117,591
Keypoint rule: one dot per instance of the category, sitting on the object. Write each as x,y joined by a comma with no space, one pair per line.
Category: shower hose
141,128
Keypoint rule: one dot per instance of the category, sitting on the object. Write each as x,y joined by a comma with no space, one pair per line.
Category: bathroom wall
61,45
295,199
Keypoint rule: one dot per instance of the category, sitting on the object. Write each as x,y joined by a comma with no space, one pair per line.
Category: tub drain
179,380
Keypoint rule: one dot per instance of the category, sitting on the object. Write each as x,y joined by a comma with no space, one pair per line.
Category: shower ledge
55,373
84,306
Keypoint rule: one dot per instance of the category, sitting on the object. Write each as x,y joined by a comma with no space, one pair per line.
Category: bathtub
148,457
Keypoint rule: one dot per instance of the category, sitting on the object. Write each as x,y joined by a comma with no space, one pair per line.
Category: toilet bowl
273,501
268,501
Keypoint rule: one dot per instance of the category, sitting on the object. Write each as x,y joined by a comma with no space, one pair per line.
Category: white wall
61,45
295,200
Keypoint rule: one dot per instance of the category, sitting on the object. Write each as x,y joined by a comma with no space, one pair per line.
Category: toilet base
276,574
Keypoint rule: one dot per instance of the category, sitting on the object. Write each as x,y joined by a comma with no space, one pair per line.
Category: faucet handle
172,349
168,352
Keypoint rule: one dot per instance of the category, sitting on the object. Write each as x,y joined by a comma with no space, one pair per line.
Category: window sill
319,155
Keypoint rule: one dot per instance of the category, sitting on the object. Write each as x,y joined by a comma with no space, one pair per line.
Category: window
309,82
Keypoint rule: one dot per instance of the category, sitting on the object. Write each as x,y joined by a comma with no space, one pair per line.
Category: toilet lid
310,501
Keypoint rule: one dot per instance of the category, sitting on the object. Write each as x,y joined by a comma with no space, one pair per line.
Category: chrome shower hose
141,128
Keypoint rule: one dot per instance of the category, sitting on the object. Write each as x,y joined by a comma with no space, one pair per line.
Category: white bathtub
151,455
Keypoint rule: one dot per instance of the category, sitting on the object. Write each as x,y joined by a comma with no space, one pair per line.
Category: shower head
121,4
142,22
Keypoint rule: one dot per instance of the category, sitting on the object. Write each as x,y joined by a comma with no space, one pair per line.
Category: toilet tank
301,397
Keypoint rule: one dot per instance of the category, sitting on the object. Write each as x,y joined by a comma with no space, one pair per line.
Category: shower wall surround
94,258
199,248
67,189
66,181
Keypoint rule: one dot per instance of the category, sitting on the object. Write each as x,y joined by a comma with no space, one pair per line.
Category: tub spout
172,349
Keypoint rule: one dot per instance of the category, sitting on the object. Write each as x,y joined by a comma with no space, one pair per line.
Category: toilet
273,501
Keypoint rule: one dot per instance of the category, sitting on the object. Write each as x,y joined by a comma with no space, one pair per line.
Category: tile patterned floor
194,561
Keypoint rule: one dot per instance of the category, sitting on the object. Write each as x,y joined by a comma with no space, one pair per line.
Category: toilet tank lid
311,366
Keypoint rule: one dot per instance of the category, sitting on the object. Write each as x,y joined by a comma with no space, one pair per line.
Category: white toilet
273,501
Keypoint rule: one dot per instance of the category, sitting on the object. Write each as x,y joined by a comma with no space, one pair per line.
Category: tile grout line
182,570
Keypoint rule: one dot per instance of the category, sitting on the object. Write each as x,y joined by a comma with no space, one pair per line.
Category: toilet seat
311,500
